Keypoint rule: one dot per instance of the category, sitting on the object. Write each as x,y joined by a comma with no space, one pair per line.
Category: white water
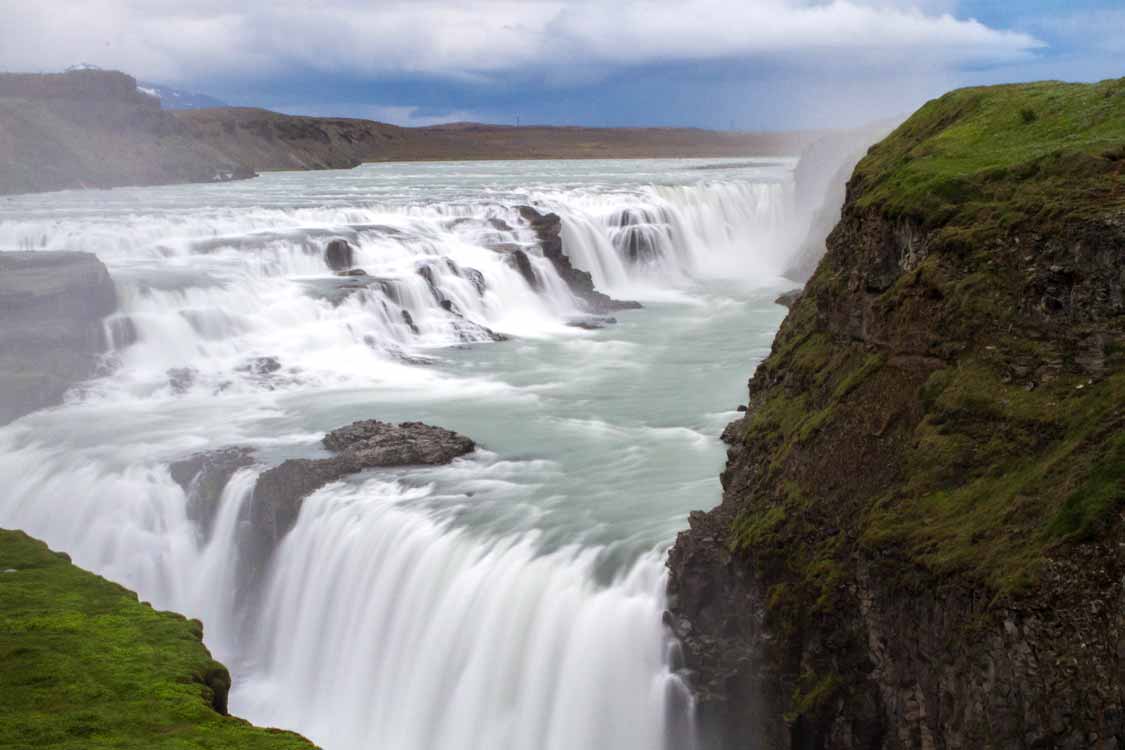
510,600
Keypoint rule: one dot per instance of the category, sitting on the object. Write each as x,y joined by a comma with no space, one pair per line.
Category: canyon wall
920,542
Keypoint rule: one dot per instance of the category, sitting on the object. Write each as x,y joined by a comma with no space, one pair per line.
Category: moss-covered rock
86,666
922,514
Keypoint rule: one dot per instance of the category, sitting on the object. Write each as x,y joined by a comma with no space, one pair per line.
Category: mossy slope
966,331
86,666
929,485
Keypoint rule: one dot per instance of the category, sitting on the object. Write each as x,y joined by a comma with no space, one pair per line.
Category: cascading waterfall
390,616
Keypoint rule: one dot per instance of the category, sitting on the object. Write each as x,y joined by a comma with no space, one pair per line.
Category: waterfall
388,617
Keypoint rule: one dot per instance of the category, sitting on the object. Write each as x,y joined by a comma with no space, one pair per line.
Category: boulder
377,443
51,334
203,477
339,255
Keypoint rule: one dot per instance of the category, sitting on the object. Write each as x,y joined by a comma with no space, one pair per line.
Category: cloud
488,40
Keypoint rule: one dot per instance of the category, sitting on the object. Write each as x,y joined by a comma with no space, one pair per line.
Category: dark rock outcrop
548,229
339,255
788,299
51,335
921,539
369,444
203,477
519,260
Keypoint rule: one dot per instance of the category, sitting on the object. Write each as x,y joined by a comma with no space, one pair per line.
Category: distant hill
171,98
93,128
267,140
96,128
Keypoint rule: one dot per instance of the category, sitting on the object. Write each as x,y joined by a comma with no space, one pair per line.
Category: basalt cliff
920,542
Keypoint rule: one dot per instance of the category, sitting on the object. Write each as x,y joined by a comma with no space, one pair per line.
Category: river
511,600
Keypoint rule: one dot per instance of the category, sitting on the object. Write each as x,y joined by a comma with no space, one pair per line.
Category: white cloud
481,40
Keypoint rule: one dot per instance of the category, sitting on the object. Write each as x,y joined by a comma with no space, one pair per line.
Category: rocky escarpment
88,666
51,336
93,128
920,542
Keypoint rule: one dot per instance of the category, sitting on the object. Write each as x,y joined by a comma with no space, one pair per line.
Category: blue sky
746,64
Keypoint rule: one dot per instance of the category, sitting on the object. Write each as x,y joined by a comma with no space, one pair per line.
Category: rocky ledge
51,335
280,491
548,229
921,540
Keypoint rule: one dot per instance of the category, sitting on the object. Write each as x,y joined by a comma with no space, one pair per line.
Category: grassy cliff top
85,665
1003,157
946,395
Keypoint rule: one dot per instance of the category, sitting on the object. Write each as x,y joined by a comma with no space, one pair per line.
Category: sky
724,64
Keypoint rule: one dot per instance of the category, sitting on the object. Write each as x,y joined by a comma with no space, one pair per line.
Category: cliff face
51,310
920,542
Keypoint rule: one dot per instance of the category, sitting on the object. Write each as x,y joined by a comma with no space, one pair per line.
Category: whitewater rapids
509,601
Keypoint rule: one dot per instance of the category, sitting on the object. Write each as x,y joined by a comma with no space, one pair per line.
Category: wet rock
476,278
262,366
181,379
352,272
203,477
591,322
369,444
636,233
789,299
732,433
519,260
339,289
378,443
548,229
409,320
500,225
339,255
51,336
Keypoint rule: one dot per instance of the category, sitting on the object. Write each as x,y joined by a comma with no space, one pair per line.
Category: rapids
511,600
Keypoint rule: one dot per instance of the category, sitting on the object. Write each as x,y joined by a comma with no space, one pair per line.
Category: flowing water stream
509,601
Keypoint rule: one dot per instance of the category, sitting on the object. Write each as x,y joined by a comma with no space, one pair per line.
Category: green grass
86,666
981,160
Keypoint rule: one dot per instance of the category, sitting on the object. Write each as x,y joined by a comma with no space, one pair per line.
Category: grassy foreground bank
86,665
